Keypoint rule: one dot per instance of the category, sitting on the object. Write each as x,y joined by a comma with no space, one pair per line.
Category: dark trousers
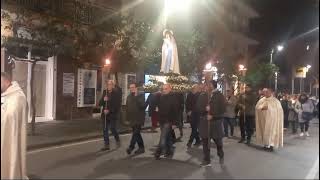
173,135
110,123
304,127
246,126
293,126
136,137
195,127
206,148
165,144
180,122
285,121
226,123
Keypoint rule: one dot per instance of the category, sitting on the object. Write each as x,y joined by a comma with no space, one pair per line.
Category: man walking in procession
213,125
136,115
246,104
111,108
14,118
193,112
269,122
167,114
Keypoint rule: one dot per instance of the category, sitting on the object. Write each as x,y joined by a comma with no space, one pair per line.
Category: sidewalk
59,132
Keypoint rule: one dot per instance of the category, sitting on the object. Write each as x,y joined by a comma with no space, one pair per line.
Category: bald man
269,121
167,114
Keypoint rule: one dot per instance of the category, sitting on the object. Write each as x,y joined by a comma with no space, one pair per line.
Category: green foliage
260,73
191,50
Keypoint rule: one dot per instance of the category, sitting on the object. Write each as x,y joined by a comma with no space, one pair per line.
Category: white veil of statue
170,62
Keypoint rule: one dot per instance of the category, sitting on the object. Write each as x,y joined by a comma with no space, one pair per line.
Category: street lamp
308,67
107,65
242,70
276,81
208,66
242,67
279,48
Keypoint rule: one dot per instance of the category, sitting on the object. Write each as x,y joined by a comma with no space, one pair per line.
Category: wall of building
66,106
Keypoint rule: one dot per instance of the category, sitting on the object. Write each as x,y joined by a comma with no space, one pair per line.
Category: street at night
159,89
298,160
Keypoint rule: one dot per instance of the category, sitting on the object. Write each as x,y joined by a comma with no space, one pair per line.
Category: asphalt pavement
299,159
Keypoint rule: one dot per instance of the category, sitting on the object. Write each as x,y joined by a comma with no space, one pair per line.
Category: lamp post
276,82
279,49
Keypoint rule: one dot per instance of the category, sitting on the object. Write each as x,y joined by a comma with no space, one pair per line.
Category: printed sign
87,88
68,84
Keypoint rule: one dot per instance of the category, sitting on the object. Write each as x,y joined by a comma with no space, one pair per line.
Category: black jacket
113,104
201,103
135,109
168,108
217,105
249,101
191,102
152,102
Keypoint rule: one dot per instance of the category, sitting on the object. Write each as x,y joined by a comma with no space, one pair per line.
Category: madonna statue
170,62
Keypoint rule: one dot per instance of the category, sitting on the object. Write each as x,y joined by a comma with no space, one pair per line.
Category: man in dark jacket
135,114
285,106
111,108
213,125
192,111
246,103
179,120
152,102
167,114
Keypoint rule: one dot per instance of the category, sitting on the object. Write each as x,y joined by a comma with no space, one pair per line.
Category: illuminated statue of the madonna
170,62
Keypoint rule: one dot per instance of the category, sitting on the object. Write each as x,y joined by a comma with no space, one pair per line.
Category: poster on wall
68,84
87,88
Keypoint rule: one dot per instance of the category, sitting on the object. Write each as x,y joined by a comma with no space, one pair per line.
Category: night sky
281,20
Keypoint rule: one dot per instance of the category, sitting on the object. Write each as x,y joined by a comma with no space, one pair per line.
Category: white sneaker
307,134
301,134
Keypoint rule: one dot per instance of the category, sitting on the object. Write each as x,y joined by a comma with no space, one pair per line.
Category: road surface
299,159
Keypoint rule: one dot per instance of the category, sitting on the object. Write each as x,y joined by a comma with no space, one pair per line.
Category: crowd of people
212,116
209,112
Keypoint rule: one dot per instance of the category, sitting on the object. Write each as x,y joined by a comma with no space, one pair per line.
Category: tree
259,74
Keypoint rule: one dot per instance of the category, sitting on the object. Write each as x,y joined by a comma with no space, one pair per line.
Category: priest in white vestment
14,115
269,122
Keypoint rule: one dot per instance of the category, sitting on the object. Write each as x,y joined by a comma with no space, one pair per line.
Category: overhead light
308,47
280,48
208,66
107,62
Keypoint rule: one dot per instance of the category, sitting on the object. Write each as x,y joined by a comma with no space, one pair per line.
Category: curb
74,140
